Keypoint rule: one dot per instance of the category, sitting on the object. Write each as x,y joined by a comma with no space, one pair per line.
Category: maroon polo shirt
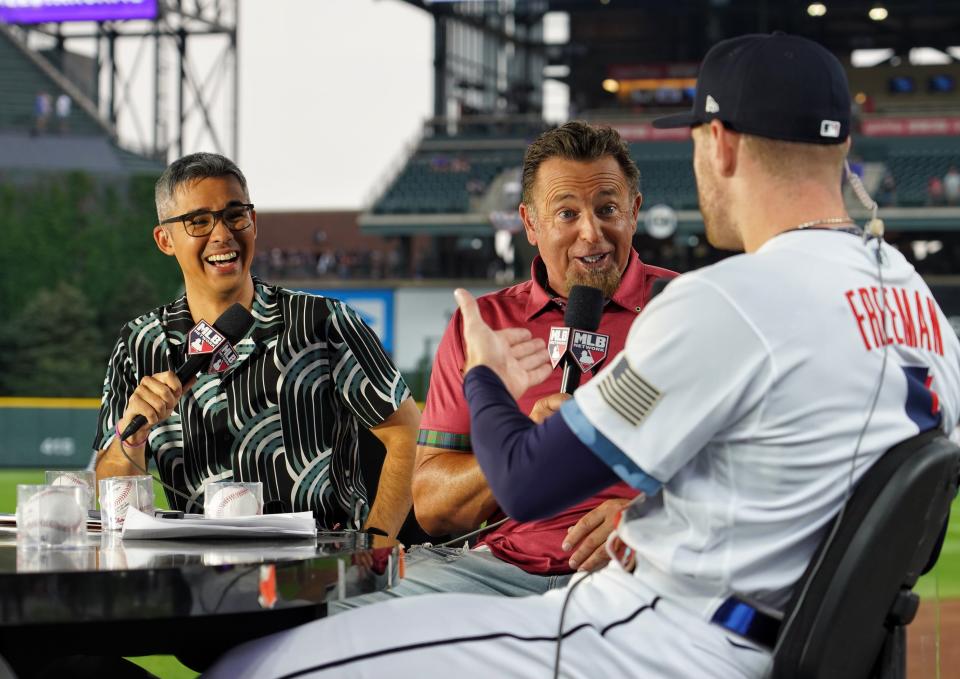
534,546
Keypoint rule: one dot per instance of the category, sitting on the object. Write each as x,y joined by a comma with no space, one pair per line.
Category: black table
170,597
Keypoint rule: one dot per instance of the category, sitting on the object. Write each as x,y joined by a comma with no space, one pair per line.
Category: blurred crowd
944,190
329,263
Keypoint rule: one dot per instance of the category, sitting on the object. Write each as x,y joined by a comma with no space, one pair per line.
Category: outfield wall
47,433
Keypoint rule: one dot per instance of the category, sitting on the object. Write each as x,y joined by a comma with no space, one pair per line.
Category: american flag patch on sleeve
630,396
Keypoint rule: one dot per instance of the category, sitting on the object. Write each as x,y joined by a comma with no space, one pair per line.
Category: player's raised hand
517,358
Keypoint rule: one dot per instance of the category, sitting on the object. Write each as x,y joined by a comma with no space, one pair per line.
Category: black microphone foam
584,308
233,324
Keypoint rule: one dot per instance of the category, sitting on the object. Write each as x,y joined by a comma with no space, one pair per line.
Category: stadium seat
849,611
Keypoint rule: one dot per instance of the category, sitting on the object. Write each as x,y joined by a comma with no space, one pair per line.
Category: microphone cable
467,536
166,486
563,613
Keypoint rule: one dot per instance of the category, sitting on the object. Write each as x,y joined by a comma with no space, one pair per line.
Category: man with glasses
309,374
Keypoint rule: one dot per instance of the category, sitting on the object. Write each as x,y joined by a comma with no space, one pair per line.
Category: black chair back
850,608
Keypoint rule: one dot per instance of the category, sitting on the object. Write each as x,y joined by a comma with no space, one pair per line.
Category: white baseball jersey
740,396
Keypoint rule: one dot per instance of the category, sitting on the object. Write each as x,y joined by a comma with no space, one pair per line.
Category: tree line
77,260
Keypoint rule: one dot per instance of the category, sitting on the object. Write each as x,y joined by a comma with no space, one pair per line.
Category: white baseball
68,479
232,502
52,518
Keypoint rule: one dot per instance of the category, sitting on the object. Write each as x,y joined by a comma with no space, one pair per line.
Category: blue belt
741,618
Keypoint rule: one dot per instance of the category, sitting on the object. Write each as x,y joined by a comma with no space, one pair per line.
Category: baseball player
749,397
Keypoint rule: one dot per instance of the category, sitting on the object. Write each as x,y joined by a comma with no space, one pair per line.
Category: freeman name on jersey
913,319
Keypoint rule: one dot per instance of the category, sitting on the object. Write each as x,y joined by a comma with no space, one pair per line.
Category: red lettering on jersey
903,306
867,302
911,322
893,316
860,318
935,326
934,398
924,331
883,315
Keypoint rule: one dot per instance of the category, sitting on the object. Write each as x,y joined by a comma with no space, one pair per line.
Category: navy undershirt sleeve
534,471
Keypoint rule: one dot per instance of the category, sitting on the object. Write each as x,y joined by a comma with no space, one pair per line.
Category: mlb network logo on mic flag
204,339
557,344
225,357
588,349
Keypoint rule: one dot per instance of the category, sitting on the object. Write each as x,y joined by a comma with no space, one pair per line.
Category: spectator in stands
63,106
41,112
579,208
935,192
475,186
394,264
951,186
326,263
296,263
856,166
277,262
440,163
887,192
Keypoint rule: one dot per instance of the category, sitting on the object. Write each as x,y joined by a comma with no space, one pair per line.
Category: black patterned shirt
287,413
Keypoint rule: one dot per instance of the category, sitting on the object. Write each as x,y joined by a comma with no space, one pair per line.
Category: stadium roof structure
694,25
605,34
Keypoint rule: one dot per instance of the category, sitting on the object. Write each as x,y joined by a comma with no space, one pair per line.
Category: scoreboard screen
44,11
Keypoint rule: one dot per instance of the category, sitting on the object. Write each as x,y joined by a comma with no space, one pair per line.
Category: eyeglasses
235,217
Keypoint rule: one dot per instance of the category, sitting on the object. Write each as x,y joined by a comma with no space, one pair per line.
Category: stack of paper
140,526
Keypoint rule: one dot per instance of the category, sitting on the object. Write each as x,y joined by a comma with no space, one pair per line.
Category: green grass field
943,581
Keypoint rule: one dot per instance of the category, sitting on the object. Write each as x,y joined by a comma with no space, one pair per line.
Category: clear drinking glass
118,493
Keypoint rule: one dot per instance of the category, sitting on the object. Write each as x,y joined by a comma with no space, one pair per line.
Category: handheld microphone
207,344
577,344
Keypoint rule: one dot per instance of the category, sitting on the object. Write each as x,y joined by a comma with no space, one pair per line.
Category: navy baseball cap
777,86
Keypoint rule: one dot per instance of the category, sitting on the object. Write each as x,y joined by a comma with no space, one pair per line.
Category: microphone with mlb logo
209,349
576,344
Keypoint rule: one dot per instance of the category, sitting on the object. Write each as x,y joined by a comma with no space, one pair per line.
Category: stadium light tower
162,85
489,56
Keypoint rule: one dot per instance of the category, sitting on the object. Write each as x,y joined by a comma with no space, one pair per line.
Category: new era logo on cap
712,106
829,128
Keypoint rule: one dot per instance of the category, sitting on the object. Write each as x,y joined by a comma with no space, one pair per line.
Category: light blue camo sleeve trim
606,450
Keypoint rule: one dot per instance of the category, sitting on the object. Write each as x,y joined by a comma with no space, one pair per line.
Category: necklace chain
821,222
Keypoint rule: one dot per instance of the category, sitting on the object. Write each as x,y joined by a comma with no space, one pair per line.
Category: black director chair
849,613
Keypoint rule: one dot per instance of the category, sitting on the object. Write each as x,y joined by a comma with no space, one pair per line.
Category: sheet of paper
140,526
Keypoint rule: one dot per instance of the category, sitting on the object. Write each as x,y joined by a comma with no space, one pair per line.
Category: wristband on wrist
373,530
126,446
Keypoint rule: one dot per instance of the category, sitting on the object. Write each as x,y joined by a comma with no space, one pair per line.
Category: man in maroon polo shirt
579,207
